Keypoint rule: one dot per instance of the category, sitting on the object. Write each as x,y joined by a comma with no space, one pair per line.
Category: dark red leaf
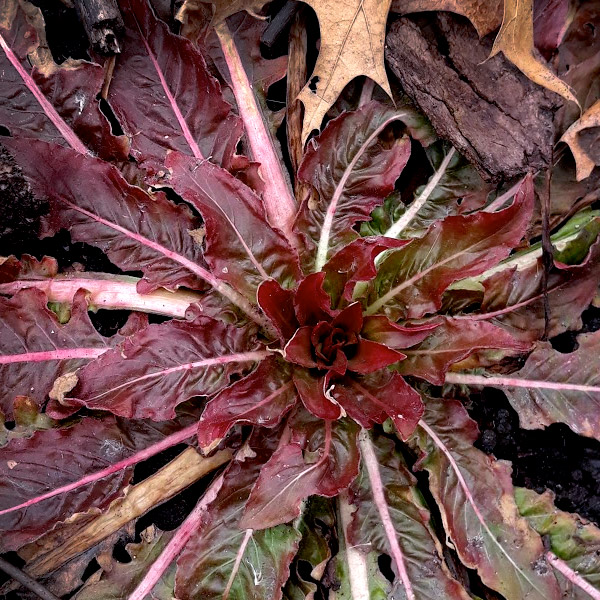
137,231
350,319
261,398
353,263
411,281
164,365
50,459
322,458
452,341
371,356
177,104
311,303
35,348
375,397
353,170
278,304
299,349
240,245
312,389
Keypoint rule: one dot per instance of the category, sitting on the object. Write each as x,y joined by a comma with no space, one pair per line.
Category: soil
554,458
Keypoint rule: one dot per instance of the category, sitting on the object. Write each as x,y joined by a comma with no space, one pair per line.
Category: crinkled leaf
554,387
410,281
317,527
27,268
164,365
514,298
572,539
475,496
138,232
452,341
391,520
240,245
261,398
222,560
178,105
353,168
320,458
50,102
122,577
460,190
372,398
31,466
35,348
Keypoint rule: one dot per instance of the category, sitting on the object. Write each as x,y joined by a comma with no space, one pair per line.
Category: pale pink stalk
358,570
370,461
207,362
278,198
499,381
67,133
115,293
177,543
573,576
168,442
217,284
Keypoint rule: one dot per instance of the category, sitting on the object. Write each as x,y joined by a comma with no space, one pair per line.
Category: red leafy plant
303,347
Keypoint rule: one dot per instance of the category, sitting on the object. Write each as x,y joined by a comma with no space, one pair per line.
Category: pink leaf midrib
208,362
51,355
67,133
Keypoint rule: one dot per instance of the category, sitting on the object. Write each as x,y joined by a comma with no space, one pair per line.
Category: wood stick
31,584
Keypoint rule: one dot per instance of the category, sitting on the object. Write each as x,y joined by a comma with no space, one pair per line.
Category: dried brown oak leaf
515,40
486,15
585,150
352,43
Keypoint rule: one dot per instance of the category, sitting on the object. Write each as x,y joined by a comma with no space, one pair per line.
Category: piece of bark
103,24
488,110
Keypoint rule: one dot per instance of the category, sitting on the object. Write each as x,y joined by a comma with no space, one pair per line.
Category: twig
31,584
109,67
547,252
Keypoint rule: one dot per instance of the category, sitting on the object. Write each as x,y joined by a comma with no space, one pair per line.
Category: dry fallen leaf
226,8
486,15
584,163
515,40
352,43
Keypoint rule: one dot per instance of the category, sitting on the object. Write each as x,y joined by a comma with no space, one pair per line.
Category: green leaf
572,539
